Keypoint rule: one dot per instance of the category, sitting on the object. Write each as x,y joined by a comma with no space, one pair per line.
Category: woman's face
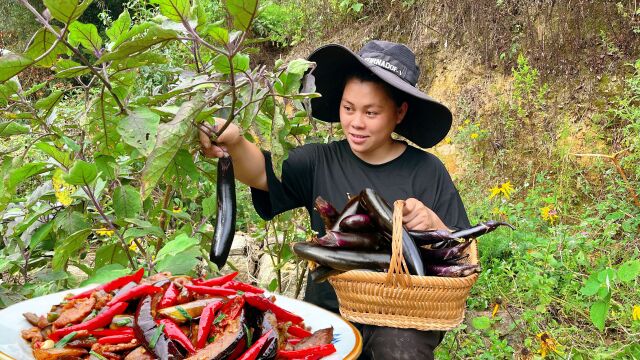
368,116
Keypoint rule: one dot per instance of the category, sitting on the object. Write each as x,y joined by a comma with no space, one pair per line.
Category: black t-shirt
333,171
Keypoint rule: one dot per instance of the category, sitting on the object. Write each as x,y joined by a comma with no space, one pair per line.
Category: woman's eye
371,113
348,108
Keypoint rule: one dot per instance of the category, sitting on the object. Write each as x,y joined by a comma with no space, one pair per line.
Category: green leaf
219,35
629,270
10,128
47,104
140,129
178,215
106,165
66,10
68,222
138,233
111,254
11,65
591,287
106,274
120,27
209,206
139,60
481,322
62,157
598,313
82,173
40,43
242,12
273,285
69,247
40,234
175,10
171,137
184,161
240,63
85,35
154,36
14,174
66,68
299,66
126,202
11,88
181,243
180,263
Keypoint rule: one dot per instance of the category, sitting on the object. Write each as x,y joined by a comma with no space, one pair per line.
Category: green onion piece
184,312
91,315
211,339
100,357
123,321
62,342
240,292
219,318
249,335
52,316
156,336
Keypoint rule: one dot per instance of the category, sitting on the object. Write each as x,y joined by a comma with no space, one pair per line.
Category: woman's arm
248,160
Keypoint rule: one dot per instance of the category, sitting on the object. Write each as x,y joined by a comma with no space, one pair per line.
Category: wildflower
133,246
505,189
460,128
104,232
549,214
547,344
474,135
176,209
496,307
447,140
467,122
62,190
635,315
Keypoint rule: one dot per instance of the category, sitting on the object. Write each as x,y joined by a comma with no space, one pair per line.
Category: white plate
346,338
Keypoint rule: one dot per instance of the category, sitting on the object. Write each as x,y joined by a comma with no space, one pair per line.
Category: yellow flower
133,246
548,213
635,315
62,190
474,135
467,122
547,344
176,209
505,189
460,128
447,140
104,232
496,307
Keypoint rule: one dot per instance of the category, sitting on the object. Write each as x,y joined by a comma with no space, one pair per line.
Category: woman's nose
358,120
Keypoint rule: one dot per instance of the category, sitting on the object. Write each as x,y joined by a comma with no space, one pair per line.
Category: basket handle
398,271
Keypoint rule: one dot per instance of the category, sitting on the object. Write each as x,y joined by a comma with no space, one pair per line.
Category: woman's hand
417,216
230,137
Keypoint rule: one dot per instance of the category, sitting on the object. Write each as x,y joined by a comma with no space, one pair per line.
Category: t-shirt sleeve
447,203
295,188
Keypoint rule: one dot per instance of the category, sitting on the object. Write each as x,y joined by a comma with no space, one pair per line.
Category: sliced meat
74,311
114,348
59,354
156,277
32,334
102,298
320,337
140,353
35,320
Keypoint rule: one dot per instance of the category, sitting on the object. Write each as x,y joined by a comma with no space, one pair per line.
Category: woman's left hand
417,216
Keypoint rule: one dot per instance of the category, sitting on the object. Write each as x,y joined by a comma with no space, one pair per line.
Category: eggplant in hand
226,213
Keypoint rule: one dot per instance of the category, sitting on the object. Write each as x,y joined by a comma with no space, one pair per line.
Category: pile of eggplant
359,238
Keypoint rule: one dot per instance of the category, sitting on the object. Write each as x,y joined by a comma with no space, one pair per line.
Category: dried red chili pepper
111,332
217,281
116,339
170,297
218,291
237,285
173,332
253,352
298,331
136,292
101,320
320,350
206,320
263,304
113,284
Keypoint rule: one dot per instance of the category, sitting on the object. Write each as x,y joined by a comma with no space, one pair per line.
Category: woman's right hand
230,137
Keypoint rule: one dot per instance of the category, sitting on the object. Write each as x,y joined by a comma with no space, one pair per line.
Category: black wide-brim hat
427,121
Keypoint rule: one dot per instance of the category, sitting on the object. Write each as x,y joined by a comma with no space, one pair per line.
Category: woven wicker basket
397,299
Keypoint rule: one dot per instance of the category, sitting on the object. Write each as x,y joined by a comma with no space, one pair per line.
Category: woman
372,94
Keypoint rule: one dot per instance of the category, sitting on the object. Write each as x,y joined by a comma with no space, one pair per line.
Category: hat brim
427,121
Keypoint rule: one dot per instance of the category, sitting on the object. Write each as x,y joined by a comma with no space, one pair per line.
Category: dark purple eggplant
356,223
226,213
149,333
322,273
382,214
344,240
269,350
351,208
430,236
344,260
446,244
446,270
445,254
319,337
228,345
327,212
435,236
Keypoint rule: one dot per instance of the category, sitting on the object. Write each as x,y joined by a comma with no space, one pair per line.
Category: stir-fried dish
173,317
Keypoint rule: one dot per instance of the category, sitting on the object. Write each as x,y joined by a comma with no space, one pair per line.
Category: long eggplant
351,208
382,214
445,254
343,260
447,270
430,236
344,240
321,273
435,236
356,223
230,344
226,213
150,334
327,212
